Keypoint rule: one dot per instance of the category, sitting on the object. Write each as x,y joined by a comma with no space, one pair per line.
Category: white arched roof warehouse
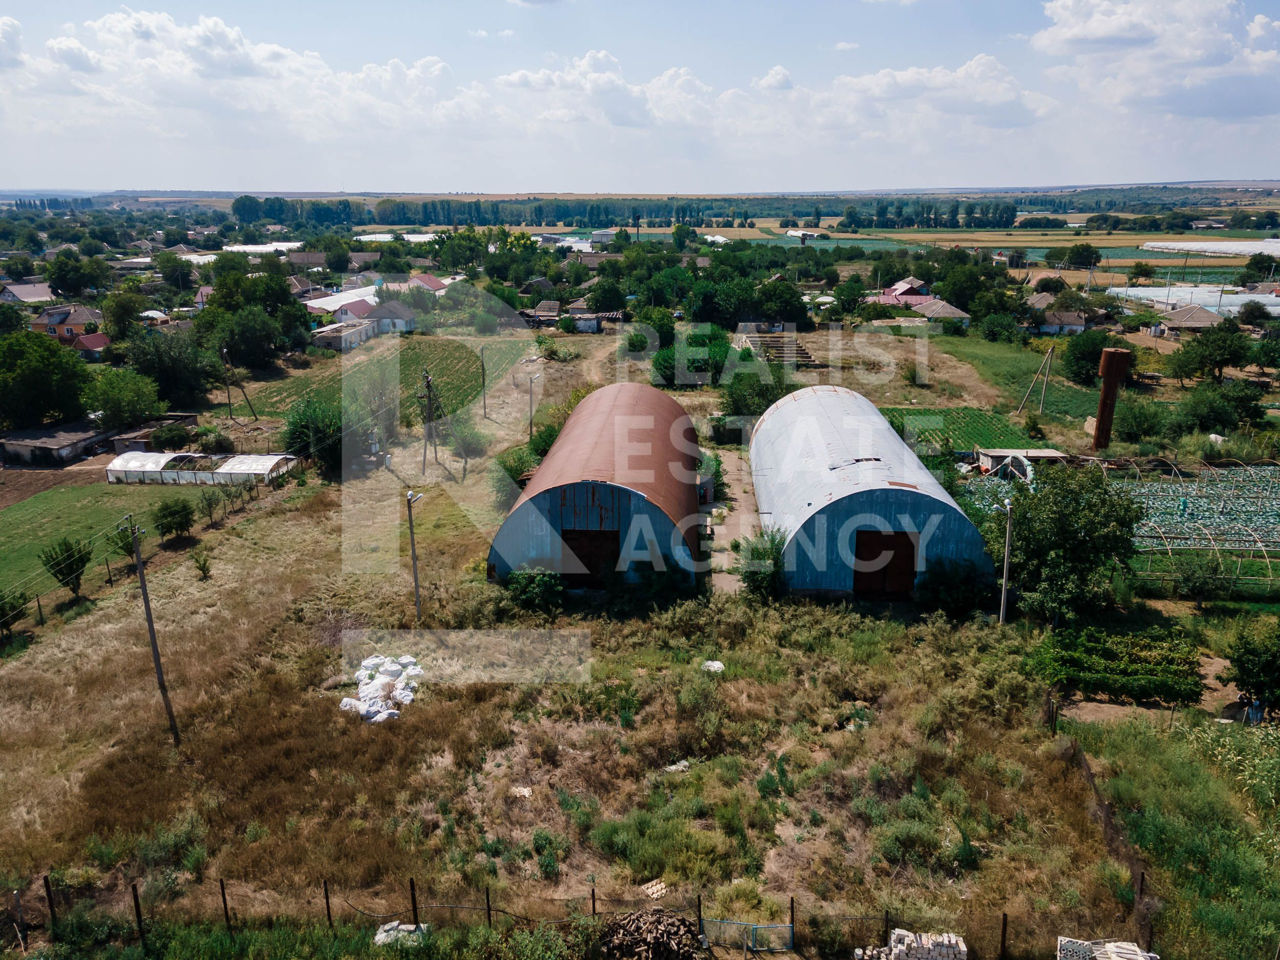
859,511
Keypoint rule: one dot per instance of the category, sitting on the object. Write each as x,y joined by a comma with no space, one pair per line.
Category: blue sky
592,95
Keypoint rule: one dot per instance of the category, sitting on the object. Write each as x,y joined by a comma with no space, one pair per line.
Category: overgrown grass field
1009,368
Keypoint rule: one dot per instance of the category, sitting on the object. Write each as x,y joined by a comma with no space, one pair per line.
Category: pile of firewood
651,935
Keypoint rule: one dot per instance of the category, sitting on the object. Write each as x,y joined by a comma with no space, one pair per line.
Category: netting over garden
1198,507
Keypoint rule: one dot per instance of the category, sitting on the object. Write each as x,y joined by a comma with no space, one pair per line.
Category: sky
698,96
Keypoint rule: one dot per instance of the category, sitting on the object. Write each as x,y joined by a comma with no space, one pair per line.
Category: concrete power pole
151,630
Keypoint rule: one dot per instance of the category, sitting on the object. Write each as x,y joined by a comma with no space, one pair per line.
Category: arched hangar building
616,495
861,514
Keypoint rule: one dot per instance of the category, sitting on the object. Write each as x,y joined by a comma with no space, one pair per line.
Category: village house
393,317
25,293
67,321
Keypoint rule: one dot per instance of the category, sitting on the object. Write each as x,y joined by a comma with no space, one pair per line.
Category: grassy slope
28,527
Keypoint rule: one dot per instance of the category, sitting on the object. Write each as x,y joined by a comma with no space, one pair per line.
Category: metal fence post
53,909
593,899
488,907
137,915
792,944
413,901
1004,935
886,928
226,912
328,911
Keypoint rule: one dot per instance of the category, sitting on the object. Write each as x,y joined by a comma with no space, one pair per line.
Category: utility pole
226,377
410,500
484,393
151,629
531,379
427,405
1008,546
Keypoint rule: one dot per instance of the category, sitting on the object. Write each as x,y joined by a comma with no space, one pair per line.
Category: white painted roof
336,300
821,444
144,460
388,237
252,463
279,246
1222,248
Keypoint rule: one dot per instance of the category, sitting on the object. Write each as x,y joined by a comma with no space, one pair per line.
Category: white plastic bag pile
385,684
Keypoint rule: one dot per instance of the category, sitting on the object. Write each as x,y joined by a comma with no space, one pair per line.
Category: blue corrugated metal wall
530,536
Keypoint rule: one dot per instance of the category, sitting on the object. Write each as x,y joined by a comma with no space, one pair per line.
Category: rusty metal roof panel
629,435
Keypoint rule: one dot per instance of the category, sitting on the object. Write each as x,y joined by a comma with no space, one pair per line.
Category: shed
617,494
859,512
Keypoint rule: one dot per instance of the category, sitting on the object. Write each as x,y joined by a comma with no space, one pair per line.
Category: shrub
208,501
486,324
1255,664
212,441
760,564
13,607
637,343
1152,665
173,517
66,561
202,563
172,436
543,438
535,589
508,467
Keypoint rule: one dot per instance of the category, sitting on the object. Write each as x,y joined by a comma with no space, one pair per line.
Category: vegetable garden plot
955,428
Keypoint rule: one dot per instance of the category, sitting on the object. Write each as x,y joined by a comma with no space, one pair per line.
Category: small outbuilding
616,495
859,512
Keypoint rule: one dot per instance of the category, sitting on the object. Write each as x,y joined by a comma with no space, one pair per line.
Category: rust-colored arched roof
631,435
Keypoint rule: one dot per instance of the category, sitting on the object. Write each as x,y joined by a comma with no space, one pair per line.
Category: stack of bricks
905,945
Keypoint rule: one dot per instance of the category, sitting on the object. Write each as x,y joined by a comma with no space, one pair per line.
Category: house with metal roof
616,495
859,512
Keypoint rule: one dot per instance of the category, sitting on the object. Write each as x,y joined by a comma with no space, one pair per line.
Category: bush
172,436
13,607
1152,665
66,561
535,589
957,589
543,438
486,324
213,441
508,467
1255,664
313,431
760,564
173,517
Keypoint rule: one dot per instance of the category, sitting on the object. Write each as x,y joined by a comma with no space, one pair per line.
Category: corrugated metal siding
825,460
530,536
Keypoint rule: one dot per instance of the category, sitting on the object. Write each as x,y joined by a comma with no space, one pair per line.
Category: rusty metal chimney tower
1112,369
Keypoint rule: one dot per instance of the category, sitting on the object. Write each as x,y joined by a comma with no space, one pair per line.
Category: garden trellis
1226,507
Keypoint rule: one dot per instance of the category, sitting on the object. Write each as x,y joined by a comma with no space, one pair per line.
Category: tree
172,436
246,208
1139,419
173,270
313,431
208,502
69,275
337,259
1054,285
11,319
19,267
1082,256
606,296
780,302
13,607
1254,313
249,336
1082,356
466,441
680,236
66,561
1141,271
39,378
124,398
1255,663
173,517
181,370
1213,351
1069,533
120,313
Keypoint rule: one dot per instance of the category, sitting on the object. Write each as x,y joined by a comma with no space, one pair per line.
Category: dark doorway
886,565
598,550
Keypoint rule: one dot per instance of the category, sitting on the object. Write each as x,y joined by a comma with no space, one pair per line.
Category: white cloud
478,34
10,42
1183,57
506,33
221,109
776,79
847,45
72,52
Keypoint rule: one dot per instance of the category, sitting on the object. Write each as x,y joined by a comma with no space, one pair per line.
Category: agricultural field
955,428
454,364
1009,368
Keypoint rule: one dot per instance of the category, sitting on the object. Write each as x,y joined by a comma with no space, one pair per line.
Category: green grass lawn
454,364
28,527
1009,368
961,428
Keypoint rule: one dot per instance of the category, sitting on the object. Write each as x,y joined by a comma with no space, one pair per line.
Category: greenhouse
139,466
